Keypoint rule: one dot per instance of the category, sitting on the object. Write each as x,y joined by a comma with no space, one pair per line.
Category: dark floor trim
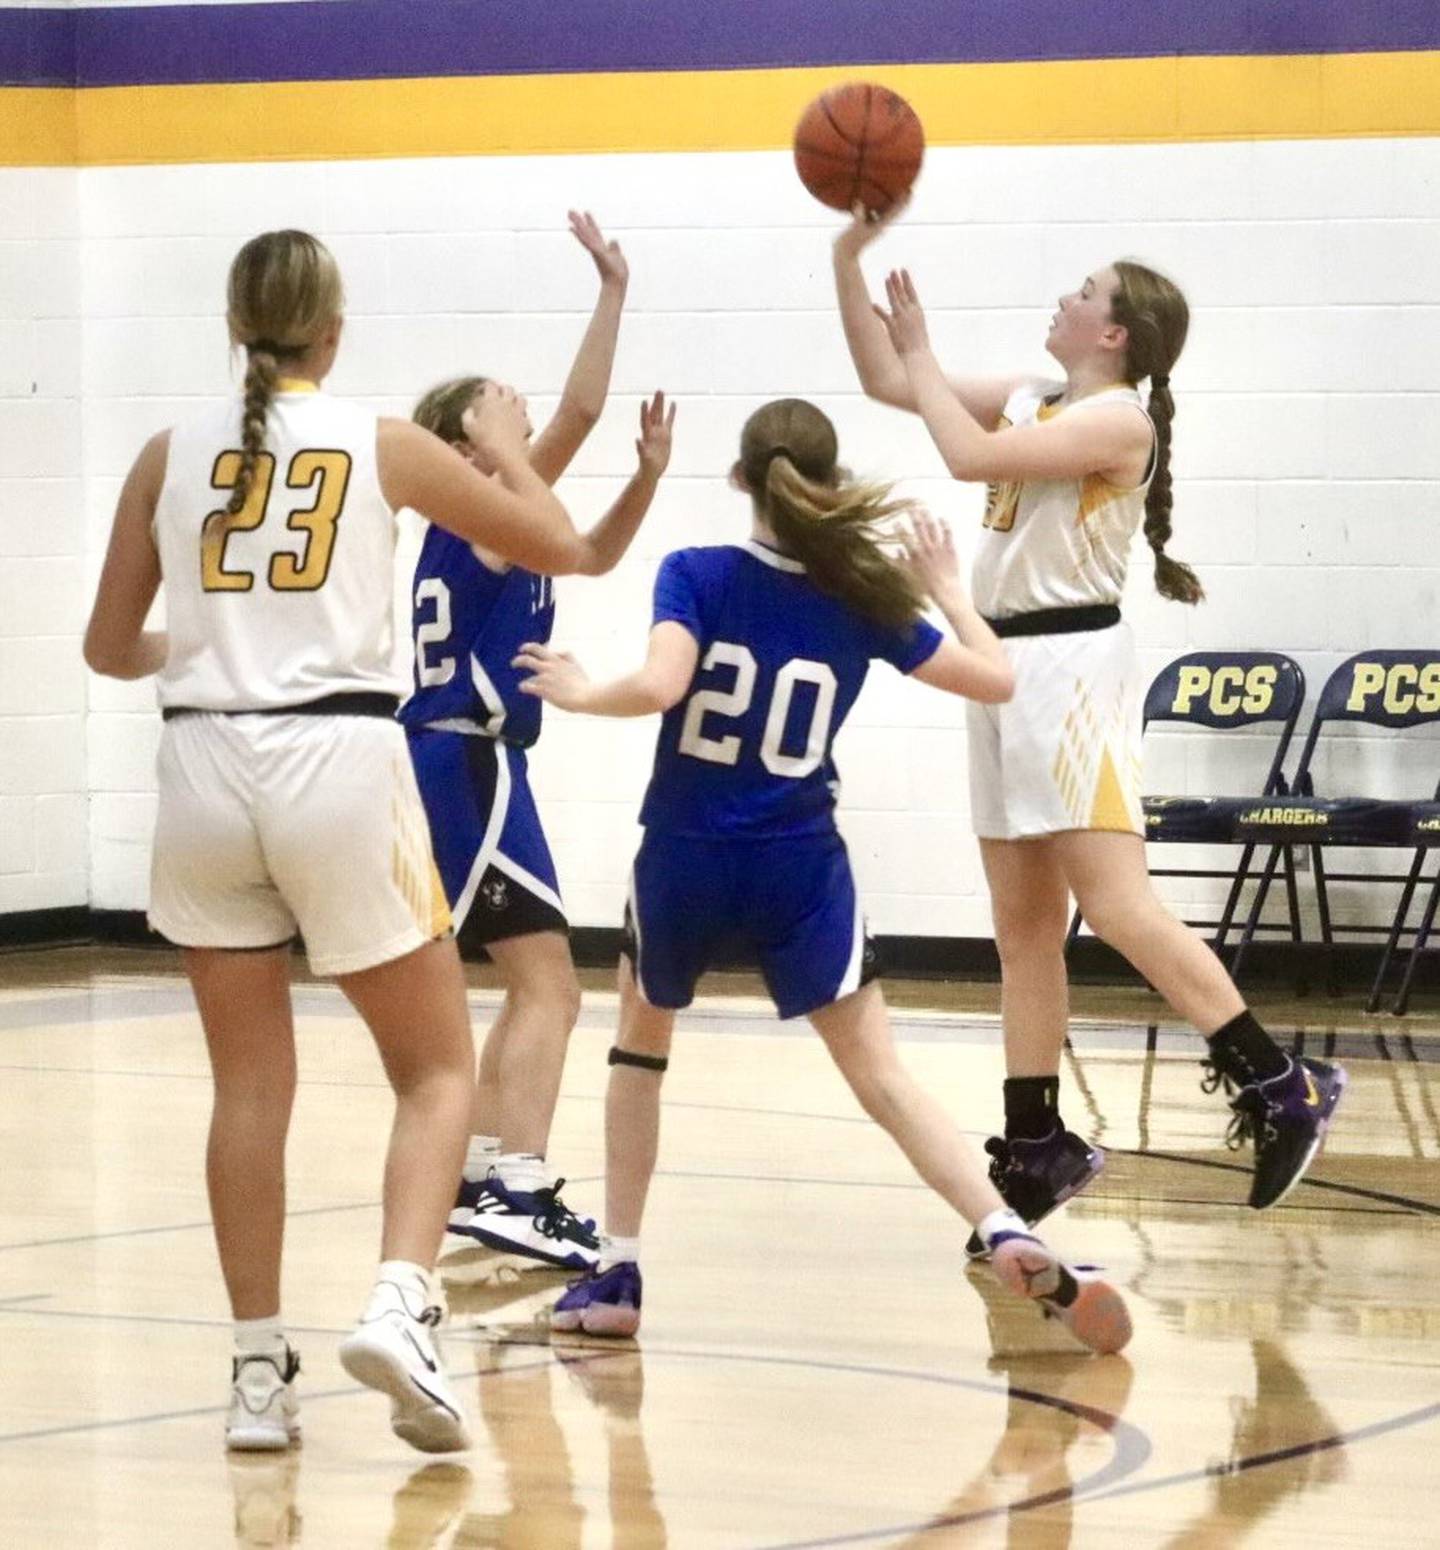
46,928
1304,967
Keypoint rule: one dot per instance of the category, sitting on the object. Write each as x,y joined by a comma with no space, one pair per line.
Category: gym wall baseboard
1298,967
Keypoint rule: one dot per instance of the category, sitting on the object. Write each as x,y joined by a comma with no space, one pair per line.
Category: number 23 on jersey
325,473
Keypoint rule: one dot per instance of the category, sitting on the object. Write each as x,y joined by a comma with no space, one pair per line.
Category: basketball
859,142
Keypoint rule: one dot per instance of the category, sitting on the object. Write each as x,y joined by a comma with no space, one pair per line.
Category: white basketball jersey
1055,543
289,600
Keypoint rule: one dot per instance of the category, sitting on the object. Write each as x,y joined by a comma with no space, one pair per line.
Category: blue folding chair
1397,690
1223,691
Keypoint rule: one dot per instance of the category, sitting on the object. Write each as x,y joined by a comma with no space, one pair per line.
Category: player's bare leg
607,1301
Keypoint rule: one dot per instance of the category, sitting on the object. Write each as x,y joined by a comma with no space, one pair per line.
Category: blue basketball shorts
493,857
787,906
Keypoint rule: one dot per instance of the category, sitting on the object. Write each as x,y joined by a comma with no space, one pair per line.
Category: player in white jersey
1074,467
286,797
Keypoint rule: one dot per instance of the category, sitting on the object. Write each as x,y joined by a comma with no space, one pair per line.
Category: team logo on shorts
496,892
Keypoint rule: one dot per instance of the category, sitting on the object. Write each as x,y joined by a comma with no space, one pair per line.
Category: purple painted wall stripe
364,39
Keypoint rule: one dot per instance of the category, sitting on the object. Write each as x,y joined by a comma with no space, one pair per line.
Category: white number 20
735,701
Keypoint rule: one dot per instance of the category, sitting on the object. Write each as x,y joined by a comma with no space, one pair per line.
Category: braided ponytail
1154,313
283,292
262,371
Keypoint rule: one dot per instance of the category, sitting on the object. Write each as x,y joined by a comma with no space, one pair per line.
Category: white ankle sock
521,1171
618,1251
260,1337
1001,1221
480,1156
412,1279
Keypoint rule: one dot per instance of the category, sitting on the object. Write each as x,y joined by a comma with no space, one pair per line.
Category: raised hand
905,320
609,260
554,676
656,424
496,422
865,226
930,555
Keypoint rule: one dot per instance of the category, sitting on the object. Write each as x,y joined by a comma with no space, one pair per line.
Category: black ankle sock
1032,1107
1245,1052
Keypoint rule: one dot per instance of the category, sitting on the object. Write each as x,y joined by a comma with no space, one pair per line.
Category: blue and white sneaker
534,1223
605,1302
466,1199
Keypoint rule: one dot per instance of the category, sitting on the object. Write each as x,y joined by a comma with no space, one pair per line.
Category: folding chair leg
1232,899
1252,920
1322,900
1417,947
1397,927
1292,901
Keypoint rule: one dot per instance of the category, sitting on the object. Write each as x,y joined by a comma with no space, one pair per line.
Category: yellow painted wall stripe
1055,102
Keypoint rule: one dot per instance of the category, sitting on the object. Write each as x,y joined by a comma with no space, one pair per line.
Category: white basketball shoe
393,1350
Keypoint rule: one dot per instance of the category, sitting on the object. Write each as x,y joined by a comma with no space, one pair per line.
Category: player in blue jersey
468,730
756,656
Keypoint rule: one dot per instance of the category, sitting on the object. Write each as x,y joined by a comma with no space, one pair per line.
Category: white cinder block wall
43,590
1307,440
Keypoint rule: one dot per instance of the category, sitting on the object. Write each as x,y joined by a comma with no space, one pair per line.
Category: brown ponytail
1154,313
262,371
788,453
283,292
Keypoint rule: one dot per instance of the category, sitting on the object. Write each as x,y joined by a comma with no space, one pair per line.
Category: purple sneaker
535,1223
605,1302
1037,1177
1286,1117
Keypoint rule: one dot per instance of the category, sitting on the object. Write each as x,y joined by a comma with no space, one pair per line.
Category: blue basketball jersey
746,753
467,622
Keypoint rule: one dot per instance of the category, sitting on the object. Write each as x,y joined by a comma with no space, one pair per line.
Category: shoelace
1251,1109
1002,1162
556,1220
286,1374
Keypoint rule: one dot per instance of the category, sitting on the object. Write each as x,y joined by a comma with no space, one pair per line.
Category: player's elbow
104,656
998,686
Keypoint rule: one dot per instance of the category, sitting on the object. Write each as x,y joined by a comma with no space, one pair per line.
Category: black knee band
623,1057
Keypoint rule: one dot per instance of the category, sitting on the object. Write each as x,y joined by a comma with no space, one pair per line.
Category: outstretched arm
558,679
117,643
974,663
606,542
585,390
1110,439
515,515
877,362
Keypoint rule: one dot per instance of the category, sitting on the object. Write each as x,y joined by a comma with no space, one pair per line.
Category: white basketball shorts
272,824
1064,753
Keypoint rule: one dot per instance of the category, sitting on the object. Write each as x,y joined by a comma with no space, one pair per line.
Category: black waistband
346,703
1058,621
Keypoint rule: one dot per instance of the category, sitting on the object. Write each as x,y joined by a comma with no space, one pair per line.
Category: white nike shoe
264,1409
392,1350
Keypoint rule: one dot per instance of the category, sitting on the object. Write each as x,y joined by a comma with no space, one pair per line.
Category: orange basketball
859,142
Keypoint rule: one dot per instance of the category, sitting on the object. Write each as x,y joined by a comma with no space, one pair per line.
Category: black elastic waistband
1058,621
342,704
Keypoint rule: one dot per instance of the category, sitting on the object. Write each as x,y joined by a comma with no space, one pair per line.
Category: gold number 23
325,473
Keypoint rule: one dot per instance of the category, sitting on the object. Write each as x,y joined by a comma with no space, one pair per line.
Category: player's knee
553,995
1022,938
879,1090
